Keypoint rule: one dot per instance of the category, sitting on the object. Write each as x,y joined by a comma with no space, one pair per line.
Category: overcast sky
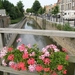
29,3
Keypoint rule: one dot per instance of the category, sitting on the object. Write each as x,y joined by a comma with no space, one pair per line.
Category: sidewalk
60,22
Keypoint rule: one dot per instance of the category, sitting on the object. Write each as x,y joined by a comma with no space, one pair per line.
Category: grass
16,20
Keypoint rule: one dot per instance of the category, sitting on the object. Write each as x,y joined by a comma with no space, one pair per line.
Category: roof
2,12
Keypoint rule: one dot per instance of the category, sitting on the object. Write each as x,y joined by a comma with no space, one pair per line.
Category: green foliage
36,6
16,20
58,58
67,27
1,4
11,10
20,7
41,11
59,26
29,10
55,10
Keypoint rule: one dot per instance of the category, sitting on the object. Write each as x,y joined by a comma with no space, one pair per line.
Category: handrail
39,32
10,70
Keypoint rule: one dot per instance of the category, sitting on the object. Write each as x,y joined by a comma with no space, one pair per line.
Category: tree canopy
36,6
55,10
13,11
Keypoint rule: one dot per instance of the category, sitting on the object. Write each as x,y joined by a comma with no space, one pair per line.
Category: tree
13,11
20,6
7,5
36,6
55,10
41,10
1,4
29,10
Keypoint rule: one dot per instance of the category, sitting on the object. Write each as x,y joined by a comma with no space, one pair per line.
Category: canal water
41,41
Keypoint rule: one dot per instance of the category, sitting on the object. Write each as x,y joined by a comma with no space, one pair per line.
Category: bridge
34,32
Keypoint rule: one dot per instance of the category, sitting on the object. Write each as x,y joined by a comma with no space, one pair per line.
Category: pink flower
29,46
67,57
3,62
3,52
46,61
14,66
56,50
11,63
31,61
32,54
11,57
52,46
47,54
19,40
44,50
64,49
48,46
31,68
65,71
42,57
60,67
25,56
39,68
21,47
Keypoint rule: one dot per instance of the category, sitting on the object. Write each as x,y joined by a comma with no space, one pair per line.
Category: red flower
67,57
14,66
46,69
46,60
59,67
54,73
64,49
21,66
31,61
39,68
65,71
10,49
11,57
25,56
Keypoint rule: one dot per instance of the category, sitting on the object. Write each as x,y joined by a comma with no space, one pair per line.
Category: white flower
3,62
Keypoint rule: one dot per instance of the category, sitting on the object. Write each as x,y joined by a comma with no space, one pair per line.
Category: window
73,4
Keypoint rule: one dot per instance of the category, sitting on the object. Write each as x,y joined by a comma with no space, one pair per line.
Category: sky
29,3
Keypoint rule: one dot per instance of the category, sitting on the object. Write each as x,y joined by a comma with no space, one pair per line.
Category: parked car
69,14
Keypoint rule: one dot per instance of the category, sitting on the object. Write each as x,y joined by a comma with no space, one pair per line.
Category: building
73,4
66,5
4,19
47,8
2,12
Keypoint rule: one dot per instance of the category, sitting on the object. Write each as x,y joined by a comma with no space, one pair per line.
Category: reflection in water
41,41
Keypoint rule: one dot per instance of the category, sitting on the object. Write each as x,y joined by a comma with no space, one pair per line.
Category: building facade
4,19
47,9
73,4
66,5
